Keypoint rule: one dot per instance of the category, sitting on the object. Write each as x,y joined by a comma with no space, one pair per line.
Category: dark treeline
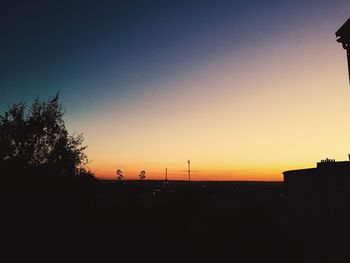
53,208
149,220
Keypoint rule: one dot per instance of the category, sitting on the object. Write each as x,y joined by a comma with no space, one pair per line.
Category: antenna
189,170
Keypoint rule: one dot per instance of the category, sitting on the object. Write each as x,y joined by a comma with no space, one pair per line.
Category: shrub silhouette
35,139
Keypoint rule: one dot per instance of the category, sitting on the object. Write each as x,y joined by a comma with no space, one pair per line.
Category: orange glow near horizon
178,174
278,106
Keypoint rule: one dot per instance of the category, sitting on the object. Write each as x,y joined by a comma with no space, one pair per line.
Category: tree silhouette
36,137
142,175
119,174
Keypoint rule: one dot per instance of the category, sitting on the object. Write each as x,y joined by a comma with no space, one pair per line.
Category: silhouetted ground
130,221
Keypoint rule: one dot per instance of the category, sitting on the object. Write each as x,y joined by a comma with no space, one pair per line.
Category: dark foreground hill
133,221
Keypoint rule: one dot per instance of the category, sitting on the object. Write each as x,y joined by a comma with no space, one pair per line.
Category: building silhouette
318,200
318,209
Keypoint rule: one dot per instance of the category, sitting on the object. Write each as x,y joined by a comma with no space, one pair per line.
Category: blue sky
80,47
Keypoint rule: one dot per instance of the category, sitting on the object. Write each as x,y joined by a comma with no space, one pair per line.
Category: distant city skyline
243,90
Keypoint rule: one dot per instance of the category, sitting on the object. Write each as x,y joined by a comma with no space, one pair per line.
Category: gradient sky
244,89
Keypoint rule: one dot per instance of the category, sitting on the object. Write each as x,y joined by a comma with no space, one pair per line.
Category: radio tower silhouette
189,170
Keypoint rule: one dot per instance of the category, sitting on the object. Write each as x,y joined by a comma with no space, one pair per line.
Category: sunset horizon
176,131
245,91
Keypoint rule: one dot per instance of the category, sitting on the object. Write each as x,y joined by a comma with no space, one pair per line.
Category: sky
243,89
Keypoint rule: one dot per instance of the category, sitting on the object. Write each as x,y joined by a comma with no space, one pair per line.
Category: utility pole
189,170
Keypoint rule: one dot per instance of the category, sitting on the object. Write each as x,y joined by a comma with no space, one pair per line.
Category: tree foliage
142,175
119,174
36,137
